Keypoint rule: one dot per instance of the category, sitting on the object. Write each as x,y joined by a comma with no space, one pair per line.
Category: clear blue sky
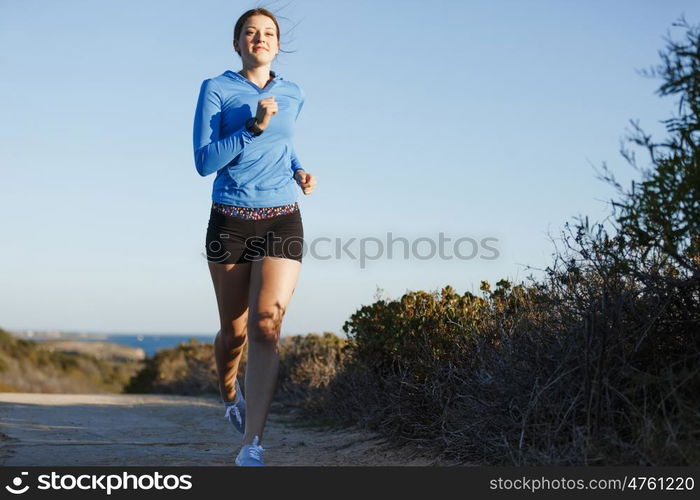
472,118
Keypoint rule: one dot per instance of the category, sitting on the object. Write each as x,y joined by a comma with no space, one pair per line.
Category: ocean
151,343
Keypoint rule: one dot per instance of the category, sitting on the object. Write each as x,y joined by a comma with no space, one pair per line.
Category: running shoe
235,410
251,455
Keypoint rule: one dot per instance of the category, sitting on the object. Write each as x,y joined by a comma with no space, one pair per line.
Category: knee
232,338
266,327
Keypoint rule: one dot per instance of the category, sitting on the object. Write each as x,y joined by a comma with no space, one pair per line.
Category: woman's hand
266,108
306,181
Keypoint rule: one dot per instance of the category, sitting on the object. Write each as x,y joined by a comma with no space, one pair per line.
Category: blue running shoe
235,410
251,455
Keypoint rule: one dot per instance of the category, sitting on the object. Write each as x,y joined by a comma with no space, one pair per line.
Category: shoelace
256,450
234,408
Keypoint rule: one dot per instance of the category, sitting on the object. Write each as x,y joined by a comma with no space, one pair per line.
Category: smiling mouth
259,48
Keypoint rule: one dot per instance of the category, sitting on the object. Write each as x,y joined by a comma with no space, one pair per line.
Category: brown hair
253,12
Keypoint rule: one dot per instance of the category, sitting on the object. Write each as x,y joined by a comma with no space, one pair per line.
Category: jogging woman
243,130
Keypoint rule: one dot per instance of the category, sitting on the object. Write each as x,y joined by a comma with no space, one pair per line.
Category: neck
259,75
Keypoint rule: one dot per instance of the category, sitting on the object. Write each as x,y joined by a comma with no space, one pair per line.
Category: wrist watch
252,126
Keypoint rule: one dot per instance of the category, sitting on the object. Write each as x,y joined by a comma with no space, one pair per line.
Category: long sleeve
296,164
211,152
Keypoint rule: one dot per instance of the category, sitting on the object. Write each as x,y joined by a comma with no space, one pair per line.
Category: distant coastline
149,342
75,335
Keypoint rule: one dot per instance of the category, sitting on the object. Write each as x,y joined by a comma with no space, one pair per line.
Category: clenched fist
266,108
306,181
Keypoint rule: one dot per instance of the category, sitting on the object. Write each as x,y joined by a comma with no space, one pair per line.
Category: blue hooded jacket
250,171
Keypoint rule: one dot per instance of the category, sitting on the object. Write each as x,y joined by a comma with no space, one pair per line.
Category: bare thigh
231,282
272,284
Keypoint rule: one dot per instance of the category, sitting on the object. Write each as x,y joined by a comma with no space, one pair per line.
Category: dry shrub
307,365
188,369
592,366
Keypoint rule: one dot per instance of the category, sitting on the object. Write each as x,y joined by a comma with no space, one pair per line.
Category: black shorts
232,240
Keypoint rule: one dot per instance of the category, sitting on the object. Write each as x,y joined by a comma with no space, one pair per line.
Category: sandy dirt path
163,430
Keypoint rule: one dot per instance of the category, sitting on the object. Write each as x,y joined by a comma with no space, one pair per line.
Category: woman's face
258,42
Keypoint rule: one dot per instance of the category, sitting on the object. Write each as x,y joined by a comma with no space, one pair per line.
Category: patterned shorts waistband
254,213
